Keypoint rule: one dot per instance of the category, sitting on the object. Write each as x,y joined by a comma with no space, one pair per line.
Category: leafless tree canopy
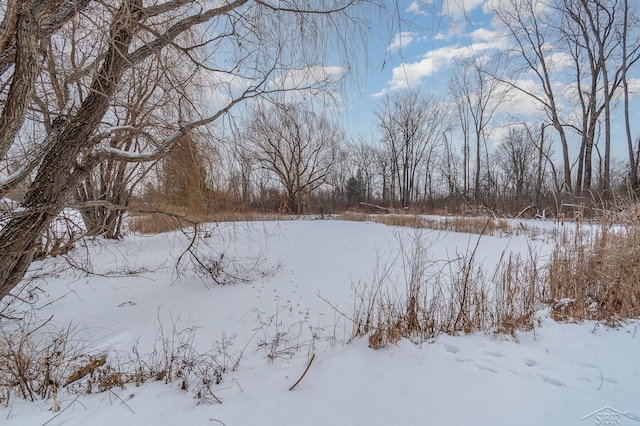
298,146
591,43
412,125
90,89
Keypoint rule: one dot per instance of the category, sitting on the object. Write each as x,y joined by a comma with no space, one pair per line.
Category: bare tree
450,168
591,40
411,125
245,50
298,146
363,153
588,28
630,46
476,87
384,172
143,102
526,22
242,180
516,158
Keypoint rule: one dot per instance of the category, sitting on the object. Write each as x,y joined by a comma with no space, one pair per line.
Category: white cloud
538,6
517,101
415,7
483,35
459,9
409,75
219,88
401,40
634,87
558,61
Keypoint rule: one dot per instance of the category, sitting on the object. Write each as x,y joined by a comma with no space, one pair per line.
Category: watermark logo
609,416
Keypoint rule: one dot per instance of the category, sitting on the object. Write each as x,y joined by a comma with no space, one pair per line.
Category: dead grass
593,274
38,364
166,218
154,223
597,278
469,225
434,298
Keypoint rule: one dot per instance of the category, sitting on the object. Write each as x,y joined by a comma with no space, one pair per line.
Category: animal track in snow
450,348
485,368
550,380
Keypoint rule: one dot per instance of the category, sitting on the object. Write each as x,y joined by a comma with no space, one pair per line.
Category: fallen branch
303,374
384,209
530,206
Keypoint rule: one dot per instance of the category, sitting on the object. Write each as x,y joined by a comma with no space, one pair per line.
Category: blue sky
415,48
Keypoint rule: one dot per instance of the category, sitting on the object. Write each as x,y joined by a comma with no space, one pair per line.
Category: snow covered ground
558,374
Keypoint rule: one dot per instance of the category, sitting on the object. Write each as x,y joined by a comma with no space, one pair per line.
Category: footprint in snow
495,354
588,365
530,363
485,368
450,348
550,380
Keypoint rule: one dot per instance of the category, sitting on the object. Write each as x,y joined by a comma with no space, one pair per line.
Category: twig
303,374
61,411
122,400
338,310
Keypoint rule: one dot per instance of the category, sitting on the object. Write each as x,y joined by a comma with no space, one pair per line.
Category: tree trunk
539,179
633,167
24,78
60,173
477,183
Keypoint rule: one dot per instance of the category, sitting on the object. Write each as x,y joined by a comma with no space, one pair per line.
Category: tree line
570,60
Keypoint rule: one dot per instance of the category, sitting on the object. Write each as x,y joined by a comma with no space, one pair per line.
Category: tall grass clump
413,295
593,273
37,362
598,277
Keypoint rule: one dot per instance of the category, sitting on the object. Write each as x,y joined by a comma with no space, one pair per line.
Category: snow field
555,375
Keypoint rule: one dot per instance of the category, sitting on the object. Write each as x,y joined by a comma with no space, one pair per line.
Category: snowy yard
297,305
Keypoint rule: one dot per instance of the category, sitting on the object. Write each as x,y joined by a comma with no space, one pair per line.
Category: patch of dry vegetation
593,274
598,278
451,298
167,218
469,225
38,364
